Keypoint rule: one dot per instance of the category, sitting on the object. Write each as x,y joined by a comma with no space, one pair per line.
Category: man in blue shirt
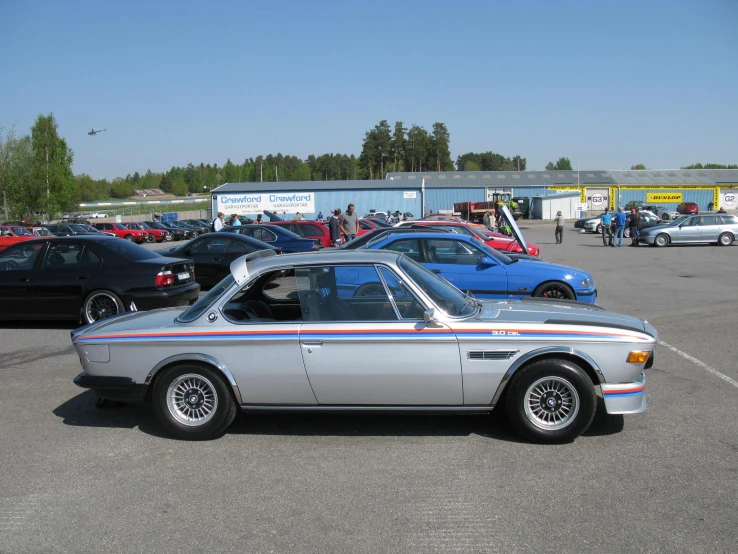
606,220
620,219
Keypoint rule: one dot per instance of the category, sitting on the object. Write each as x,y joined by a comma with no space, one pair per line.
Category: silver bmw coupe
305,332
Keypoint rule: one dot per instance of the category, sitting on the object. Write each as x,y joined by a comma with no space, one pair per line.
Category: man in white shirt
218,222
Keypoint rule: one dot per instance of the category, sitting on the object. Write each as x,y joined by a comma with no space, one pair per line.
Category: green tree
397,146
417,148
470,165
441,147
16,160
561,165
638,166
550,166
369,154
711,166
51,185
179,187
166,184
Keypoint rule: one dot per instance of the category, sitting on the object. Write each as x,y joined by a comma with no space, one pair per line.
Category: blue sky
609,84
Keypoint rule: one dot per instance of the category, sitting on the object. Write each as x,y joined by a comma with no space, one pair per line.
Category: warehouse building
419,193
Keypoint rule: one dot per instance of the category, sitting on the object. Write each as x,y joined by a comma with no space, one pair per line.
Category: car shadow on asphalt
81,411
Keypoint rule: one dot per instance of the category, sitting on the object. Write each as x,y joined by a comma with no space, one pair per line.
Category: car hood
557,312
517,233
130,321
547,270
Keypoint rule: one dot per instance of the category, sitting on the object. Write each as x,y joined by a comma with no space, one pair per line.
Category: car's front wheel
556,290
101,304
130,238
665,217
726,239
599,229
661,240
626,233
551,401
192,402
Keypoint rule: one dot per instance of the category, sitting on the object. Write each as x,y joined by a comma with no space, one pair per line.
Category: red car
121,231
158,235
307,229
495,240
688,208
12,234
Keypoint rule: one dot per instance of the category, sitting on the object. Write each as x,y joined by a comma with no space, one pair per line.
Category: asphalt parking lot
76,478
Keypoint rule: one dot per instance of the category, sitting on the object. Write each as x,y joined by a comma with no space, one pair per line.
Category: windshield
199,307
679,220
21,231
145,225
78,228
129,250
443,294
496,254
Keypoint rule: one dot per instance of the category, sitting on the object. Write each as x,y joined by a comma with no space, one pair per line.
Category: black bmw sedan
89,277
213,253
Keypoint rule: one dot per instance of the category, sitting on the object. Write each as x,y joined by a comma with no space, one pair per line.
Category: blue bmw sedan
472,266
276,237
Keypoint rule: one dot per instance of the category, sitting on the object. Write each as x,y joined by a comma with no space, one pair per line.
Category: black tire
210,396
599,229
130,238
726,239
626,232
563,412
661,240
555,289
665,217
150,238
100,304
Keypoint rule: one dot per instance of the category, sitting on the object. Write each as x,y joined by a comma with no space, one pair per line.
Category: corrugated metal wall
365,200
444,199
530,192
701,197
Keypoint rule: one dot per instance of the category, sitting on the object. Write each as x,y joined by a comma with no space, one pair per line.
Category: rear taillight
164,279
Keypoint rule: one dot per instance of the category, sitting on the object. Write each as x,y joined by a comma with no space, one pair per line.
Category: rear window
130,251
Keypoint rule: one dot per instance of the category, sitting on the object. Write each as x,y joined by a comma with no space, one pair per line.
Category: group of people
621,220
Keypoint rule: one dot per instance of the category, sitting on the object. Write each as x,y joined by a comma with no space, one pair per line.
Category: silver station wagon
719,229
306,331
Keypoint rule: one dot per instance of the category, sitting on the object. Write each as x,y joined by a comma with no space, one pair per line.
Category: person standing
634,223
320,216
559,233
606,220
620,219
218,222
334,227
258,218
235,221
487,220
350,223
298,217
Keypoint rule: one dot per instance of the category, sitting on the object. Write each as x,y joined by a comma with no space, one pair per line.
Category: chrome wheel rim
100,306
192,400
551,403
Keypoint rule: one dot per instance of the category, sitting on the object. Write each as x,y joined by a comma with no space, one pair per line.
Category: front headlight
587,283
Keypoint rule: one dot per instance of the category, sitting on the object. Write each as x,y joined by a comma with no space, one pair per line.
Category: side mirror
486,261
429,315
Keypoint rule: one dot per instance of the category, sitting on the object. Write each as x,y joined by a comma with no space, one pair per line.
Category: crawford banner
255,203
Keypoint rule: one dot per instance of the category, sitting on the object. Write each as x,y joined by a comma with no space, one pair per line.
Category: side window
281,286
89,260
21,257
709,220
343,293
63,255
297,229
727,219
236,248
364,226
271,298
454,252
409,247
407,303
265,235
694,222
311,230
210,246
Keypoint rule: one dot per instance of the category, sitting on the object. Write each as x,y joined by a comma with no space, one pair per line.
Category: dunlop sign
668,197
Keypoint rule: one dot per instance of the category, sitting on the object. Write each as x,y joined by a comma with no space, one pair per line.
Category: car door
59,285
460,263
18,265
690,230
351,328
710,229
209,254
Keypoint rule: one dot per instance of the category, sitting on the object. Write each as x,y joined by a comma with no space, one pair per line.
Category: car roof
76,238
430,235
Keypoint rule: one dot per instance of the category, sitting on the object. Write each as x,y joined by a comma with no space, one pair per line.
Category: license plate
183,276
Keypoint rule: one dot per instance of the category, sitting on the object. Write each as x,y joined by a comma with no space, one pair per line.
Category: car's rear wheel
726,239
555,289
192,402
626,233
101,304
599,229
150,238
551,401
661,240
665,217
130,238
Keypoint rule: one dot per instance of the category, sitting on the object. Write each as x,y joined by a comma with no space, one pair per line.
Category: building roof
481,179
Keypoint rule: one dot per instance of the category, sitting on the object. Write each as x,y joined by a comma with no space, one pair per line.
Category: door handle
312,342
436,271
24,279
217,259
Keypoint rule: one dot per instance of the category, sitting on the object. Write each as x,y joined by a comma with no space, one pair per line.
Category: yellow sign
669,197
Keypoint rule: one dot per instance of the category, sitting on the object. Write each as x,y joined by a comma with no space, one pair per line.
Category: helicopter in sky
95,131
